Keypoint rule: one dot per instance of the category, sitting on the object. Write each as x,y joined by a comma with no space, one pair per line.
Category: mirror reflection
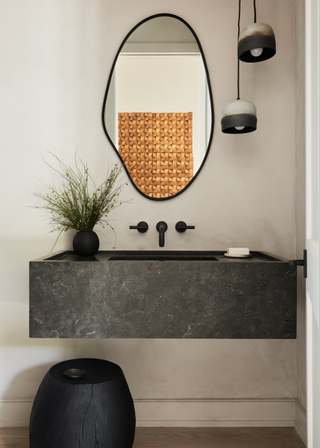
157,110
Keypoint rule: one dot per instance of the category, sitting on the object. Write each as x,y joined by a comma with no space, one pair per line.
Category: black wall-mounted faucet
162,228
181,227
142,227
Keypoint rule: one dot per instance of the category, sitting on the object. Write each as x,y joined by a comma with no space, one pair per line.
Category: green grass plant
79,204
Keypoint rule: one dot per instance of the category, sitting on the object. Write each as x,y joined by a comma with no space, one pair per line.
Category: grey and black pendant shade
256,42
239,117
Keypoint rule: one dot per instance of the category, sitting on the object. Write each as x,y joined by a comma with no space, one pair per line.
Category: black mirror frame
210,96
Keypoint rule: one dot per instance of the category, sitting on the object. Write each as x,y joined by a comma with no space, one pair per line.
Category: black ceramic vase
86,243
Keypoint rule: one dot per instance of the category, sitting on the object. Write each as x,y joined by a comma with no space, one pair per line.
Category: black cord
255,11
238,69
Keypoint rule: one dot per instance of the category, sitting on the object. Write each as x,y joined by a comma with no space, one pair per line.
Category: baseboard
15,413
300,421
210,413
187,413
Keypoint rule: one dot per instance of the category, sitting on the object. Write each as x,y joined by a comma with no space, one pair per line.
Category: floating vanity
162,294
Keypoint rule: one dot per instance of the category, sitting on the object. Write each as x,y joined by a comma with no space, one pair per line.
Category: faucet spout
161,227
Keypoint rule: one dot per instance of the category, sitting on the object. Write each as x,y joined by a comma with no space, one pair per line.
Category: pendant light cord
238,69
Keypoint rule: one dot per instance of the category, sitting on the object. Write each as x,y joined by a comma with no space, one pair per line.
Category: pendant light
240,116
256,41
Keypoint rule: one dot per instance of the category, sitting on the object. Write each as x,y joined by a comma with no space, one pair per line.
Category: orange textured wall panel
157,150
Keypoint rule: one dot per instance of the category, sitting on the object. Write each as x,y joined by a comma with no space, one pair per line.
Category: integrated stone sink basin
162,294
140,255
167,256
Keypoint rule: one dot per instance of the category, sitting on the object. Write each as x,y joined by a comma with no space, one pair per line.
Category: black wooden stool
83,403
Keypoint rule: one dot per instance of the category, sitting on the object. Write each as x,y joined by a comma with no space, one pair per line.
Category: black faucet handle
181,227
142,227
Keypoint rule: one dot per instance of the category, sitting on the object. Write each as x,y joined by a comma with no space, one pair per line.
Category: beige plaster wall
56,58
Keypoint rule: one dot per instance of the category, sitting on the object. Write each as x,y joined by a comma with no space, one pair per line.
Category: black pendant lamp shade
256,43
239,117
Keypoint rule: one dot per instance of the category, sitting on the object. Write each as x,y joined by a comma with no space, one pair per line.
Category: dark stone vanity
162,294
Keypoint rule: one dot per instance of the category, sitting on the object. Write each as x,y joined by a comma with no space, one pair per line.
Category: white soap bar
238,251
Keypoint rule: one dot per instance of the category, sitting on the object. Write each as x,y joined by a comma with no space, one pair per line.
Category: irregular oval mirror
158,110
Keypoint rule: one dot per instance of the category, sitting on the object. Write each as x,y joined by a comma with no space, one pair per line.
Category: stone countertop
74,297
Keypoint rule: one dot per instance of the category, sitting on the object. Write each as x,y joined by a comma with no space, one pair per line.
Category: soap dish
238,252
